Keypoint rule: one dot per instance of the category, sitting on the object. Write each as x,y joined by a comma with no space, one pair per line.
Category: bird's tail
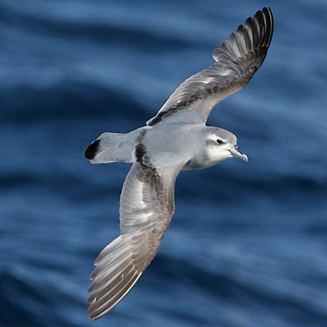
112,147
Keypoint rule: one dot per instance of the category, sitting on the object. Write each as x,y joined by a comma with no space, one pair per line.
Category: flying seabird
176,138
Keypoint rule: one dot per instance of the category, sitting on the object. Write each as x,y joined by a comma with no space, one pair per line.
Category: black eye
219,141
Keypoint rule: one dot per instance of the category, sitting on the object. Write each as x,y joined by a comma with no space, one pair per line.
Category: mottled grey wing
237,59
146,209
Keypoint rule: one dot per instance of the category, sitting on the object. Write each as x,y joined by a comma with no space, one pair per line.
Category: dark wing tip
269,23
92,150
255,33
271,16
264,26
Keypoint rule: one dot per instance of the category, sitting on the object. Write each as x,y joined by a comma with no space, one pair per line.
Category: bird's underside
147,198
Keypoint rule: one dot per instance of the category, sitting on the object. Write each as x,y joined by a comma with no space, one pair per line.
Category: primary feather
237,60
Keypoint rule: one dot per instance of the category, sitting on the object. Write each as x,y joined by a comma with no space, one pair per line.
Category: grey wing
237,60
146,209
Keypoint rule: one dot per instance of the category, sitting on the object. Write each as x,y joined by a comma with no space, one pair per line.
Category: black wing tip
267,12
267,25
92,150
272,22
257,32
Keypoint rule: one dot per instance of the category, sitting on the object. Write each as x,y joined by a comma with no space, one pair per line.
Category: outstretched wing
237,60
146,209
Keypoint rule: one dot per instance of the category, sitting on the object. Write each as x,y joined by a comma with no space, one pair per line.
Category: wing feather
237,60
146,208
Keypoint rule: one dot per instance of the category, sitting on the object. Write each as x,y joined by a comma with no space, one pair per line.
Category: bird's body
176,138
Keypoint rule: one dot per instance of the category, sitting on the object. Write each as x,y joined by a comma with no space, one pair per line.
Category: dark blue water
247,246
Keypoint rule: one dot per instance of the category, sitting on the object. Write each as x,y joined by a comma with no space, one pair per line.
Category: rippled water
247,246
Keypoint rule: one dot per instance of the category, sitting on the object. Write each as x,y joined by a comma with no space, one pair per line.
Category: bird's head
221,145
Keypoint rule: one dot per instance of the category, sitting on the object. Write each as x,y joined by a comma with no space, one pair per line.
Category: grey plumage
237,59
175,139
146,208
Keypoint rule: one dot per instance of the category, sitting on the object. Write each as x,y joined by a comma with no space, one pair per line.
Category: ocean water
247,245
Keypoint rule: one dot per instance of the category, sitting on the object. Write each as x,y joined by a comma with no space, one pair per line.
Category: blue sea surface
247,246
